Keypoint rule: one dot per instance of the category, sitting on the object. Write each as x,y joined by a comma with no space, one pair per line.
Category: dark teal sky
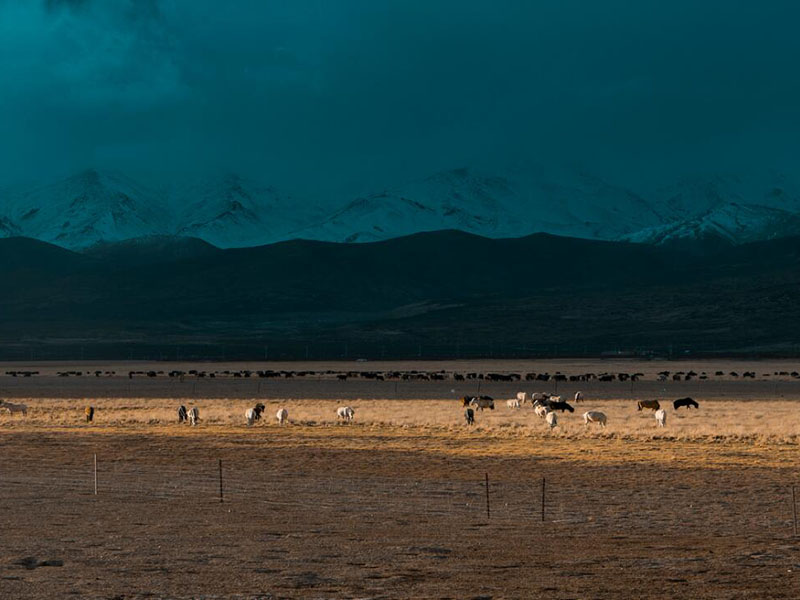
319,95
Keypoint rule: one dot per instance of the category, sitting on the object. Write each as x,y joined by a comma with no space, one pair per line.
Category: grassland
394,504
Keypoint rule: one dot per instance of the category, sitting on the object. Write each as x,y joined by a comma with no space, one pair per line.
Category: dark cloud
58,4
325,94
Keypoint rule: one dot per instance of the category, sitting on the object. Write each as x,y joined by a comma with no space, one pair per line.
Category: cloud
362,92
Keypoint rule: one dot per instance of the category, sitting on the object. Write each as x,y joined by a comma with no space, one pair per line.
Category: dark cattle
182,414
469,416
562,406
89,412
652,404
687,402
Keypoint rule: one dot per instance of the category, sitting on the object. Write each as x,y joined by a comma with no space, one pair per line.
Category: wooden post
487,496
543,499
95,478
794,511
220,480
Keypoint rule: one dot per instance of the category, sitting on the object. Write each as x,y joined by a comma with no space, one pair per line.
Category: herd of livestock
546,406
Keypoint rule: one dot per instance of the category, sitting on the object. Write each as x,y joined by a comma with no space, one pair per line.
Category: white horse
661,417
194,415
282,415
14,408
345,412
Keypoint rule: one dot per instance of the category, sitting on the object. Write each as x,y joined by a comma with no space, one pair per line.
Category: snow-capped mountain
86,208
736,209
731,222
506,205
94,206
230,211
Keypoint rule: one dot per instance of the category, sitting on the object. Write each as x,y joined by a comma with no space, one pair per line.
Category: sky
315,96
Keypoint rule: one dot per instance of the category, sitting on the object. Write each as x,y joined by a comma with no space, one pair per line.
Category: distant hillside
443,293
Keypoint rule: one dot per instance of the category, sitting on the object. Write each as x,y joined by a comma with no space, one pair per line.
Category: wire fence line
703,509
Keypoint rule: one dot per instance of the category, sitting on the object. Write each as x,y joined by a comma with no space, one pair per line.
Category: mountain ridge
229,211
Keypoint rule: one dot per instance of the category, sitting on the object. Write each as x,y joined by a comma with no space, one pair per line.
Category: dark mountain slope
447,288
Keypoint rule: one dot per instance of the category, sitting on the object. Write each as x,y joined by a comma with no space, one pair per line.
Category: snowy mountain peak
228,211
81,210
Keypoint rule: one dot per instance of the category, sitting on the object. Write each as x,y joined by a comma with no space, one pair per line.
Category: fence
704,507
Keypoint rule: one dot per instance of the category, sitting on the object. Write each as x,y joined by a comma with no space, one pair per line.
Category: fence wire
666,506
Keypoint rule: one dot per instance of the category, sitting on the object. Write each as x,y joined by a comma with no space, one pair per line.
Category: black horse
183,416
562,406
687,402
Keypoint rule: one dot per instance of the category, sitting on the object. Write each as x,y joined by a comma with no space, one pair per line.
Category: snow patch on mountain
732,222
231,211
93,207
507,205
89,207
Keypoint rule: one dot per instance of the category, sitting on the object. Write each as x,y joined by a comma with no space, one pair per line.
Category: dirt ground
394,505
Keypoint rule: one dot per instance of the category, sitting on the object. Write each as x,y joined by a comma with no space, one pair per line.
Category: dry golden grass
719,433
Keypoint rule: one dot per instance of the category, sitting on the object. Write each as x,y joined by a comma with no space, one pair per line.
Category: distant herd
546,406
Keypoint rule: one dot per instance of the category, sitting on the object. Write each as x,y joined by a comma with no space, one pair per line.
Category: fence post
220,480
487,496
95,476
543,499
794,511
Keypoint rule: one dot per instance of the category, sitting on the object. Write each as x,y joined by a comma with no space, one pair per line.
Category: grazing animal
522,397
89,412
469,416
594,416
483,402
183,416
282,415
14,408
661,417
345,412
554,399
651,404
540,396
541,410
562,406
687,402
578,397
254,414
467,400
513,403
551,419
194,416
